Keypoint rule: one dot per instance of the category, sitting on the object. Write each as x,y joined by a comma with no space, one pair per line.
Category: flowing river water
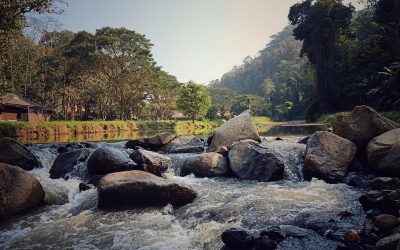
71,220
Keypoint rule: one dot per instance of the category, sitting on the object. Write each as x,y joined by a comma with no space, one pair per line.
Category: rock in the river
237,238
184,144
304,140
386,222
352,236
108,160
19,191
158,140
136,189
388,243
383,153
16,154
65,162
328,156
204,165
264,243
151,162
386,202
381,183
135,143
239,128
250,160
361,125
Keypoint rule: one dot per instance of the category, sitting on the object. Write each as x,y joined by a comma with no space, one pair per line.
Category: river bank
75,131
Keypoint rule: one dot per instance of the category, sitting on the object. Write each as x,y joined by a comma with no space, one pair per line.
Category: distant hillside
277,73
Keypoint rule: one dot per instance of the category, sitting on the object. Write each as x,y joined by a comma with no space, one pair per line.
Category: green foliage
277,75
193,100
212,113
319,24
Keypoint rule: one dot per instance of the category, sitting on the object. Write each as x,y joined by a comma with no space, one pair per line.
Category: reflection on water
291,131
278,131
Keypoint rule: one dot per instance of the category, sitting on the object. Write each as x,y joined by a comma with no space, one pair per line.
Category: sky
197,40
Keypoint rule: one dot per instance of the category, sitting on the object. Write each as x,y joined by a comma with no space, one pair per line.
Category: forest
330,58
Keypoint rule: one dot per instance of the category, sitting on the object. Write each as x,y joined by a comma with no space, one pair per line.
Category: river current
70,219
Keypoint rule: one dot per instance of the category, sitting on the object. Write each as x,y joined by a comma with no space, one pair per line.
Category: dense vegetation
353,58
108,75
328,60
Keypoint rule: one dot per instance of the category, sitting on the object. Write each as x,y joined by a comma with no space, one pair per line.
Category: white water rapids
70,219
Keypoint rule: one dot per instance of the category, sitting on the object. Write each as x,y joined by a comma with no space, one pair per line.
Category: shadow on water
278,131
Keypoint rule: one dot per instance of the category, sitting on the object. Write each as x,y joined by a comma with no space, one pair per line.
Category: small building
15,108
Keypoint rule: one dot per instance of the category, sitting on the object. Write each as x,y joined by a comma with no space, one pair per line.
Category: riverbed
71,219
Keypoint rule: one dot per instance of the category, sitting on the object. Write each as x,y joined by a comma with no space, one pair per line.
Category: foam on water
70,219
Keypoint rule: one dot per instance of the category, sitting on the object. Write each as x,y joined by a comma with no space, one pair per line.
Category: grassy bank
329,118
58,128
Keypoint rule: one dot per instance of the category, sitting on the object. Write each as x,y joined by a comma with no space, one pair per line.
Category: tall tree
319,25
193,100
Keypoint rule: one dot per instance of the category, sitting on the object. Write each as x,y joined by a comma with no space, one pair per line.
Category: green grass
261,121
392,115
329,118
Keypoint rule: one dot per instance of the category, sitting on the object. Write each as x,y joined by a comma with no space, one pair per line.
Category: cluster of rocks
19,190
363,136
235,150
361,142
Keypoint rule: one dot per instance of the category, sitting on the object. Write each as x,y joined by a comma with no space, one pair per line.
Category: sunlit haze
193,40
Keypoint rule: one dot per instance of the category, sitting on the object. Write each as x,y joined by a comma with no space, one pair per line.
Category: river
70,219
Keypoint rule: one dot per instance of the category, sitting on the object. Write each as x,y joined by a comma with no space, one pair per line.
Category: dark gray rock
66,162
328,156
184,144
361,125
264,243
16,154
383,154
239,128
236,238
108,160
249,160
381,183
158,140
136,189
151,162
204,165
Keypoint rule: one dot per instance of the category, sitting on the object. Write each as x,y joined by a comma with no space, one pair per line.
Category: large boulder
239,128
250,160
66,162
383,153
158,140
19,191
204,165
16,154
184,144
151,162
361,125
328,156
136,189
108,160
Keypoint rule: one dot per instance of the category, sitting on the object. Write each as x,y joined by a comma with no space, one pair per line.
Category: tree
222,99
319,25
12,21
193,100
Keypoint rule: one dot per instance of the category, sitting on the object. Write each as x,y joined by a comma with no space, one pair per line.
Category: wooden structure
15,108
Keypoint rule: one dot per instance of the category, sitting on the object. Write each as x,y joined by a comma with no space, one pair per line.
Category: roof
17,101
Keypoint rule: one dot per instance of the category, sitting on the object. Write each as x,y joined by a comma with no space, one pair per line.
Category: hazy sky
195,40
